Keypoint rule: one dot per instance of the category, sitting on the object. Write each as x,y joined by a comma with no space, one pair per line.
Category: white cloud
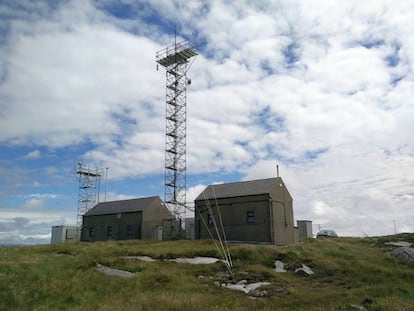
15,238
28,227
34,203
194,191
43,195
349,70
16,223
35,154
77,80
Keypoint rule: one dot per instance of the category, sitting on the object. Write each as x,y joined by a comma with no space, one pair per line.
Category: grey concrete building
125,219
251,211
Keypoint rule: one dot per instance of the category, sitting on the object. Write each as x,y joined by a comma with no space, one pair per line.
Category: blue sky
325,91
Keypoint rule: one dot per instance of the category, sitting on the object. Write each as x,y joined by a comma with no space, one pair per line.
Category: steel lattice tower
89,188
176,60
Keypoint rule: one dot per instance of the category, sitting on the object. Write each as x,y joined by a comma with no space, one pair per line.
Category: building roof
122,206
237,189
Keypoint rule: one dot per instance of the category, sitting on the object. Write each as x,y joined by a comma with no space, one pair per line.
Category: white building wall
305,229
61,234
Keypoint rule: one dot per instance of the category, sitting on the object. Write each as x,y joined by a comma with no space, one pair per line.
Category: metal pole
98,177
106,182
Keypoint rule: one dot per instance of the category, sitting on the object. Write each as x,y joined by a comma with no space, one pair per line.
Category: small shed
305,229
61,234
250,211
124,219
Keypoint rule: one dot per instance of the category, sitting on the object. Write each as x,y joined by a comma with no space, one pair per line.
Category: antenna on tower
176,61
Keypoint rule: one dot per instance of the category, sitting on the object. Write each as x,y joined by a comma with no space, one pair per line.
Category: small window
210,220
91,232
129,231
250,217
109,231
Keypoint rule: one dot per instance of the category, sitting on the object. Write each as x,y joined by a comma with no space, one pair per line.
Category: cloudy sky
326,91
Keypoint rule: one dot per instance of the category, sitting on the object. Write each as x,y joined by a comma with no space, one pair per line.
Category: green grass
64,277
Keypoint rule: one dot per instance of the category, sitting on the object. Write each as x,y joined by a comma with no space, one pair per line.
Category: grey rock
280,266
280,290
258,293
196,260
256,285
304,271
113,272
403,254
247,288
399,243
216,283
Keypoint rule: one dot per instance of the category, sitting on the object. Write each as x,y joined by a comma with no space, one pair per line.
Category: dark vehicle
327,234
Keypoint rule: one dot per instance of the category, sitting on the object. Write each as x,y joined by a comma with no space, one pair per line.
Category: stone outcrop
280,266
403,254
399,243
249,289
113,272
304,271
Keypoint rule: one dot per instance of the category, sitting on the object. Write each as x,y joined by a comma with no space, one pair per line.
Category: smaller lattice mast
89,188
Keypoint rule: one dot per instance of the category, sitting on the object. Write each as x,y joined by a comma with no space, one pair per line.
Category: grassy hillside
348,271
